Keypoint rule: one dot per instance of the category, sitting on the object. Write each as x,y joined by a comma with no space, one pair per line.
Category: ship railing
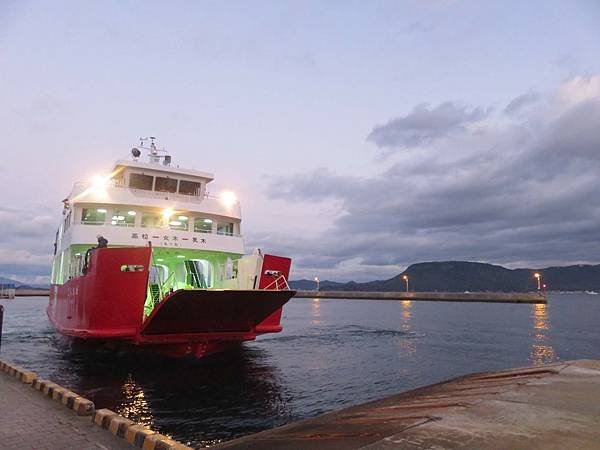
82,186
167,284
274,285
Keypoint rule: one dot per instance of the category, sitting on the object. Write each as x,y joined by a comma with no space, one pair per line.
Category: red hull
106,304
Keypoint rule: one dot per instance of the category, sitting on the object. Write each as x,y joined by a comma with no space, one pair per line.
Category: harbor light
538,277
318,282
405,278
228,198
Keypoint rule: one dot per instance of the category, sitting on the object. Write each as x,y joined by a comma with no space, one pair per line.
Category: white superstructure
148,202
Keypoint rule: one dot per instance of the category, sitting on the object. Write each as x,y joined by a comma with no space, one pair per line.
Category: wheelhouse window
123,218
177,222
189,187
225,228
93,216
141,181
152,220
165,184
203,225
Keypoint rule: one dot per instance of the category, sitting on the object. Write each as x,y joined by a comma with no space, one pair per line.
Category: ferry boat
146,259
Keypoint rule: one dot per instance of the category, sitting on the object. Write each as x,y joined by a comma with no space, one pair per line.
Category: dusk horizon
415,132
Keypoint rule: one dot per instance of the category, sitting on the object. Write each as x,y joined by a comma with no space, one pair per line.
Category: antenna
154,155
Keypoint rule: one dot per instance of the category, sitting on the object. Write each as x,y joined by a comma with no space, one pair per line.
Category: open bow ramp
195,311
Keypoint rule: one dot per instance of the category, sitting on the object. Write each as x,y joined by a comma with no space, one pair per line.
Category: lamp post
405,278
318,282
538,277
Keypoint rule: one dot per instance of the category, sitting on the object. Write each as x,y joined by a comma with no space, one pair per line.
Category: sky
359,136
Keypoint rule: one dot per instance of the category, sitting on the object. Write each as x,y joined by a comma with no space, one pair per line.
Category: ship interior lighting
159,259
183,218
228,198
175,222
131,213
101,210
167,213
207,220
180,256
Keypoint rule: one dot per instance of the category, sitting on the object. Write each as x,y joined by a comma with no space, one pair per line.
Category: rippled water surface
332,354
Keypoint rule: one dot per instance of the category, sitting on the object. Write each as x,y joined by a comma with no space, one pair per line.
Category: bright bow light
99,184
228,198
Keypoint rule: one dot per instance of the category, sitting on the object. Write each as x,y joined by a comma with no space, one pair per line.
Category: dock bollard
1,319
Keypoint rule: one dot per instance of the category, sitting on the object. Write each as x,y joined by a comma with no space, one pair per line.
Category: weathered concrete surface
483,297
555,406
29,420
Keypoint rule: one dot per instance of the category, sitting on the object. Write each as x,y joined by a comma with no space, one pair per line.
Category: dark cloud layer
518,191
424,125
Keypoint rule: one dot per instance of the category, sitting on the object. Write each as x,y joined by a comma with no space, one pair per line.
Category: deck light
99,184
159,259
180,256
167,213
228,198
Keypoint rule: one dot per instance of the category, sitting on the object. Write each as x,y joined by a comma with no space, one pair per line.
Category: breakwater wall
481,297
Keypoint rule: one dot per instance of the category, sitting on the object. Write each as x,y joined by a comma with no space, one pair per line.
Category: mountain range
460,276
19,285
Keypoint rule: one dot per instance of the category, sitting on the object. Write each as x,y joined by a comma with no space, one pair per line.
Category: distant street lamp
538,277
405,278
318,282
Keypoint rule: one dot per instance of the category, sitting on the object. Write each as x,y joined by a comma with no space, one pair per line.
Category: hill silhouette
460,276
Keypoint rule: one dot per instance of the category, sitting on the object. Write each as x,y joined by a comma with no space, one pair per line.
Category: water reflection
316,311
542,351
406,343
198,402
134,405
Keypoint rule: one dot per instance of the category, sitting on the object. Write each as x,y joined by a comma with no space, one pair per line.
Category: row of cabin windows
127,218
164,184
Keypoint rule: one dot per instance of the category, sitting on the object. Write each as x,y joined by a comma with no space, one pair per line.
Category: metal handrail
276,283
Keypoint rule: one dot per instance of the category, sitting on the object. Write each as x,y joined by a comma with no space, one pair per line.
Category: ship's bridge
141,202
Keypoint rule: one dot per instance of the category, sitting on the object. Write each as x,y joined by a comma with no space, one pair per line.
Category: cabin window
141,181
225,228
93,216
179,222
152,220
189,187
203,225
165,184
123,218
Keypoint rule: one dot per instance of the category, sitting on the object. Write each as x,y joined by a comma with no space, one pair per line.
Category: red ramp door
204,311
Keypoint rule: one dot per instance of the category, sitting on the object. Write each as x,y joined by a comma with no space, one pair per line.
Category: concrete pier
39,414
28,420
555,406
481,297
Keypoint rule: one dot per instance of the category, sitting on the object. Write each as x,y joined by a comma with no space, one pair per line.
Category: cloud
518,189
424,125
520,102
26,244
